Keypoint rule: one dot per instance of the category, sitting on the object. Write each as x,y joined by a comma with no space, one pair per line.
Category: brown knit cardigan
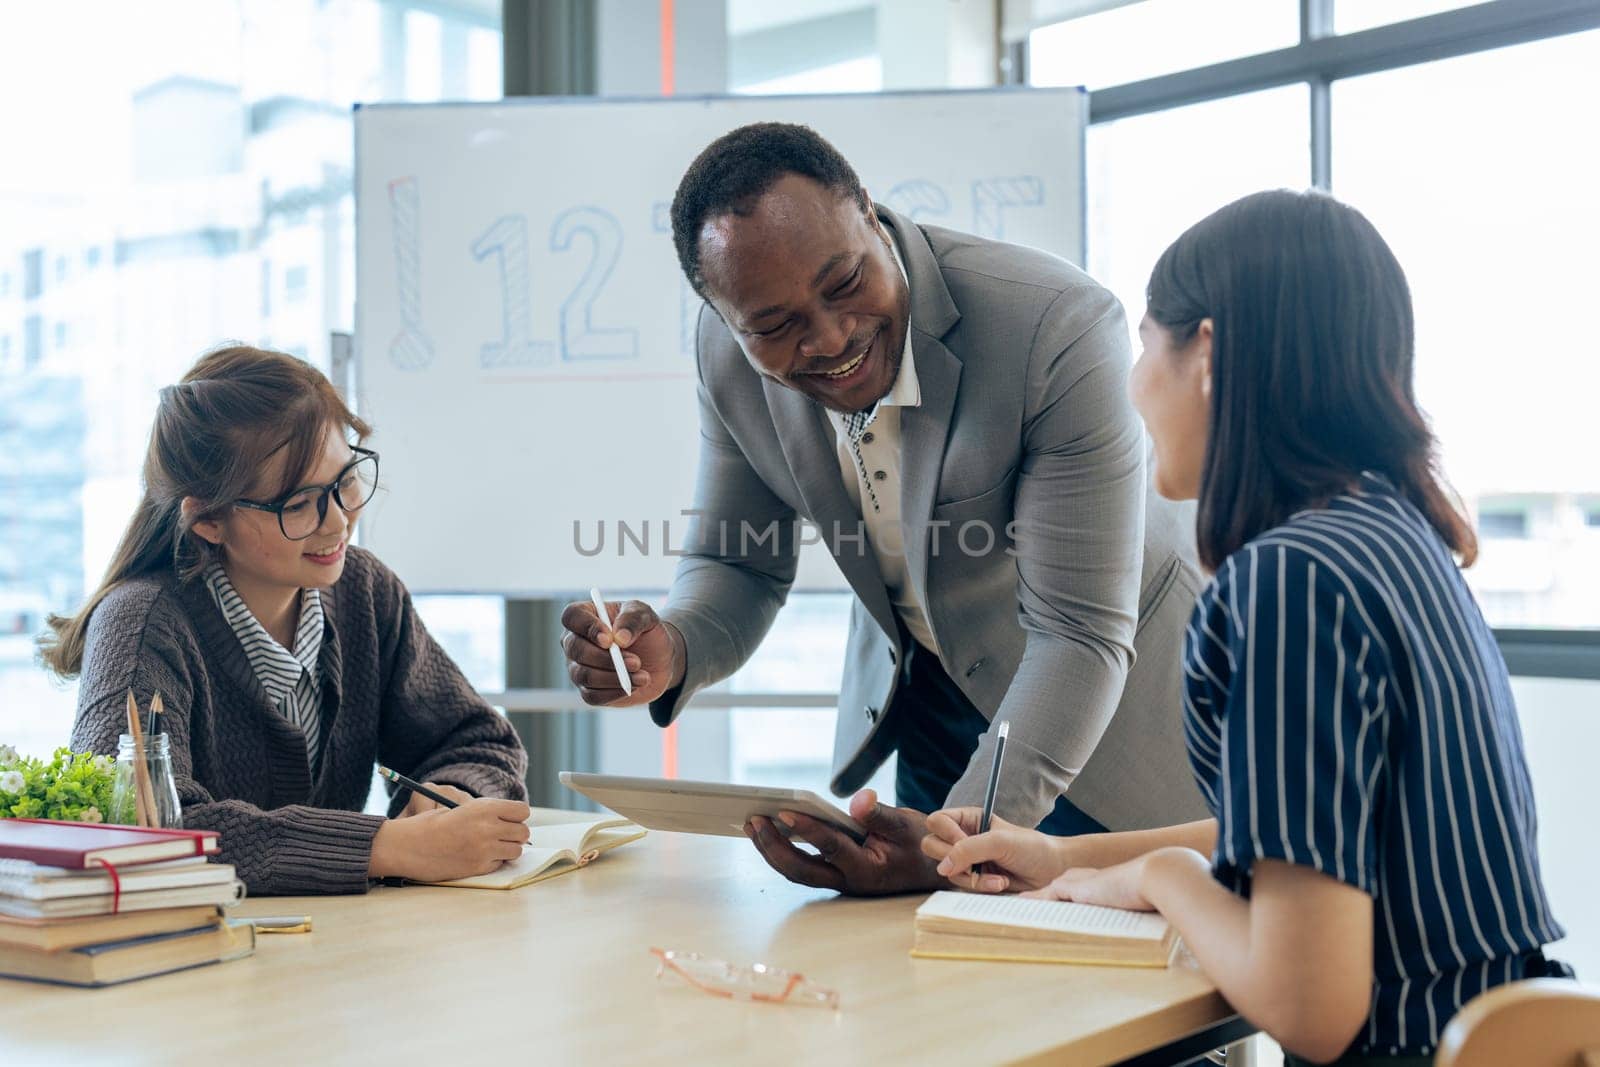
390,694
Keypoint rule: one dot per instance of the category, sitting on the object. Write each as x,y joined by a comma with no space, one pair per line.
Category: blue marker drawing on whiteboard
581,339
991,196
688,300
507,240
410,349
918,198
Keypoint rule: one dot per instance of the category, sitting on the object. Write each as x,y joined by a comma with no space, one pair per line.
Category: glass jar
158,762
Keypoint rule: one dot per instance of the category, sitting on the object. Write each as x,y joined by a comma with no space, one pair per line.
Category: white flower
8,755
103,763
90,814
12,782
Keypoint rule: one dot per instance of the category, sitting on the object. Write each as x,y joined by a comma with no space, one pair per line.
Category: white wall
1561,729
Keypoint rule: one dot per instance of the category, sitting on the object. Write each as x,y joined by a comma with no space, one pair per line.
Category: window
1152,176
294,284
265,90
1350,16
852,76
1508,524
1136,41
472,630
32,340
32,273
424,40
484,60
804,653
1462,164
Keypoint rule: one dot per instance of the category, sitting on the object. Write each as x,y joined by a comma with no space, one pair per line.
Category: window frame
1321,58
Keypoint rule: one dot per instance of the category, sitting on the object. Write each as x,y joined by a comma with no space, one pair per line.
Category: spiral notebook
555,849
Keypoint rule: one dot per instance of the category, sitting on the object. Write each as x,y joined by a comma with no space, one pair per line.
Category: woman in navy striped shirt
1372,863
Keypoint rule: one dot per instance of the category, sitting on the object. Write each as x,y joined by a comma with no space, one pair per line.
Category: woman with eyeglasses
288,660
1371,864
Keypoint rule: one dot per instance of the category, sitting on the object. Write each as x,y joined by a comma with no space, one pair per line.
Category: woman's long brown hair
214,433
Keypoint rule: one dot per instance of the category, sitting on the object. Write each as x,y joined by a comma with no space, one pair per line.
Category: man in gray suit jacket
951,416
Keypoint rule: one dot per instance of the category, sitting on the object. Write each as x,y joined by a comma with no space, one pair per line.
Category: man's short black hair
741,165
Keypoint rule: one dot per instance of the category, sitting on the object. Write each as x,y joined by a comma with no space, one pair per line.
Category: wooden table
559,972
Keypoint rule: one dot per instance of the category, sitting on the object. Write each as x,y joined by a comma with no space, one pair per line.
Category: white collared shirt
880,453
292,680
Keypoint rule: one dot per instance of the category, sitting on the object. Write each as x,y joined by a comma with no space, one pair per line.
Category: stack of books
93,905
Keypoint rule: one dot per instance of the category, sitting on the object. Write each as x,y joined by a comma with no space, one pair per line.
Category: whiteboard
524,338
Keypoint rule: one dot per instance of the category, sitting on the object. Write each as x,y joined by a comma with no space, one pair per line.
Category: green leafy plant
72,785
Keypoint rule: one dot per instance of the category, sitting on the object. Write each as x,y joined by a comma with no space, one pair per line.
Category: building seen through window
190,147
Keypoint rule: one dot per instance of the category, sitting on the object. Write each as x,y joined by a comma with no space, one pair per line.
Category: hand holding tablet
705,807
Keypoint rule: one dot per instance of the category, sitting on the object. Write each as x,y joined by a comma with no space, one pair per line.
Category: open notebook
555,849
972,926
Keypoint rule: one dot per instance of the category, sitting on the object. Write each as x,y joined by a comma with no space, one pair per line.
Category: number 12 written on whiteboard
581,338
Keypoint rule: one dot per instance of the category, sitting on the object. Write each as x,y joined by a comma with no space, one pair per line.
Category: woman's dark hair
214,432
1311,366
741,165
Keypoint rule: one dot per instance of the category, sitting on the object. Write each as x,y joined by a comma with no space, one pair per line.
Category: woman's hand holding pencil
454,839
420,803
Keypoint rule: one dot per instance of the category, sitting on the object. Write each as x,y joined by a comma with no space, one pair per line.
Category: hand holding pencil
458,838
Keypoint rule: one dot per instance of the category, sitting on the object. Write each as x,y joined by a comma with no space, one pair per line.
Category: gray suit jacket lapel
924,430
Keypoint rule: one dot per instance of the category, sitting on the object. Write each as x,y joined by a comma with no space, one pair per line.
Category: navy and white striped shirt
291,680
1347,709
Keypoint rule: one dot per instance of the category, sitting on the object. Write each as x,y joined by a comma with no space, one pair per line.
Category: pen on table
994,783
616,653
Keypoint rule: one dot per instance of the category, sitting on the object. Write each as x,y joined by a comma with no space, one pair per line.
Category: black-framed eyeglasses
302,512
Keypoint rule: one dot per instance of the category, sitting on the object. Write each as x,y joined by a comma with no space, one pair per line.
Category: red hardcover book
81,845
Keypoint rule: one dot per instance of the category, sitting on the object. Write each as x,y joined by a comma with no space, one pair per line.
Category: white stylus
616,653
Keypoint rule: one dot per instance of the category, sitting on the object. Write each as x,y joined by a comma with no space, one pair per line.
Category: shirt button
866,438
879,475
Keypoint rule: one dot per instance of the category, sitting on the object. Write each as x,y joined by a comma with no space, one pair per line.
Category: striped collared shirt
1347,709
292,680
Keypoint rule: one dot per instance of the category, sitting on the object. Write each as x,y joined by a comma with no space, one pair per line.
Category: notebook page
525,866
1054,916
567,835
548,845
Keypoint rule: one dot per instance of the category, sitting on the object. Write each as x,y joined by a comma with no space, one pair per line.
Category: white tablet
704,807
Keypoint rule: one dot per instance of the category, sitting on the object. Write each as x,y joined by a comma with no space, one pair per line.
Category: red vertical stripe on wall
669,737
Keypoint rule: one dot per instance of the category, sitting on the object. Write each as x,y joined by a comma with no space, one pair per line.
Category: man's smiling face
810,288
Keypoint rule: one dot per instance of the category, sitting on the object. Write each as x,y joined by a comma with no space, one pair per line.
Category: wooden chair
1542,1022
